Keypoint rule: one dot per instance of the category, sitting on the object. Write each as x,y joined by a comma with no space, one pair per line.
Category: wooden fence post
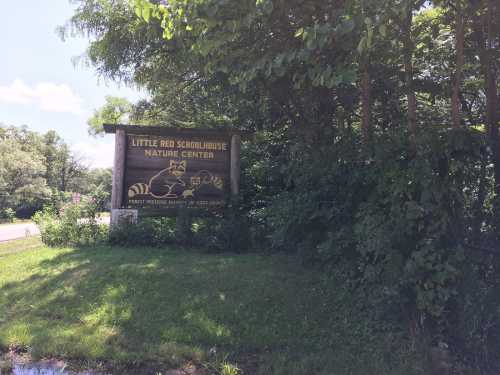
118,176
118,169
235,164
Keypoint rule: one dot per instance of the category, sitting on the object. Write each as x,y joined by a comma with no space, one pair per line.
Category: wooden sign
166,169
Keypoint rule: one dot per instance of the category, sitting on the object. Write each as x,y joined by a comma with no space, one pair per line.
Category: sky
42,88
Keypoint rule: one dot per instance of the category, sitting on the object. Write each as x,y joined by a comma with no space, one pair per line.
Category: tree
114,111
486,38
36,169
22,182
459,47
316,82
405,21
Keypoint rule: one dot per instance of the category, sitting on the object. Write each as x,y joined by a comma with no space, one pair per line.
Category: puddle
23,370
13,364
43,368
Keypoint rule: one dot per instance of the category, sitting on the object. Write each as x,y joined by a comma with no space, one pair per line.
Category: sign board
165,169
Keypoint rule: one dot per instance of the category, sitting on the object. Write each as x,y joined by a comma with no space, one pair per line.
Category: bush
9,214
147,232
403,223
223,232
101,198
73,224
229,232
474,327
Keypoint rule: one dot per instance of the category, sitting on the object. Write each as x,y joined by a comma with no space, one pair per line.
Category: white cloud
95,154
48,96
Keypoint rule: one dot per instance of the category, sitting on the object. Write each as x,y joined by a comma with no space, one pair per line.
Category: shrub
223,232
147,232
72,224
228,232
403,223
474,327
9,214
101,198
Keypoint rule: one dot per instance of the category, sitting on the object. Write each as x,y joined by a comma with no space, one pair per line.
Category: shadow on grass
167,307
143,304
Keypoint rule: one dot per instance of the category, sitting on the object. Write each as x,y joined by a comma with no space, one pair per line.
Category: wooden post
235,164
118,169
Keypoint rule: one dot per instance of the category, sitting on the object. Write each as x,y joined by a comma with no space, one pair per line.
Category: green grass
11,247
16,221
267,313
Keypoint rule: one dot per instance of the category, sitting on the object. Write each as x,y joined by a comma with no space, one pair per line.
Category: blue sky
39,84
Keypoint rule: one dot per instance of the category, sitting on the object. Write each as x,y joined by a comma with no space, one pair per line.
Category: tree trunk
408,67
491,87
459,47
366,103
484,36
492,104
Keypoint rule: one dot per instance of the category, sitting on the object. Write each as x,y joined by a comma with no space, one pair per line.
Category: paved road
13,231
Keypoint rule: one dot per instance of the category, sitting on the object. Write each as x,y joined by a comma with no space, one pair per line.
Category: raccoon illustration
168,183
138,189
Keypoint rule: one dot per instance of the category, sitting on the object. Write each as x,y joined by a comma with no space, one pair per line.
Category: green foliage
22,183
394,209
411,228
397,222
62,167
229,232
220,364
147,232
73,224
9,214
101,197
162,308
114,111
39,169
474,327
184,227
227,368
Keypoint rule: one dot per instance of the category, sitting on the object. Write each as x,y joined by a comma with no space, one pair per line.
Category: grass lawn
16,221
268,313
11,247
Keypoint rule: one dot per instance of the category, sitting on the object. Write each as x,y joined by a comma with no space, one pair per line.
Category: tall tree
486,36
115,111
364,49
459,48
492,98
408,47
22,182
